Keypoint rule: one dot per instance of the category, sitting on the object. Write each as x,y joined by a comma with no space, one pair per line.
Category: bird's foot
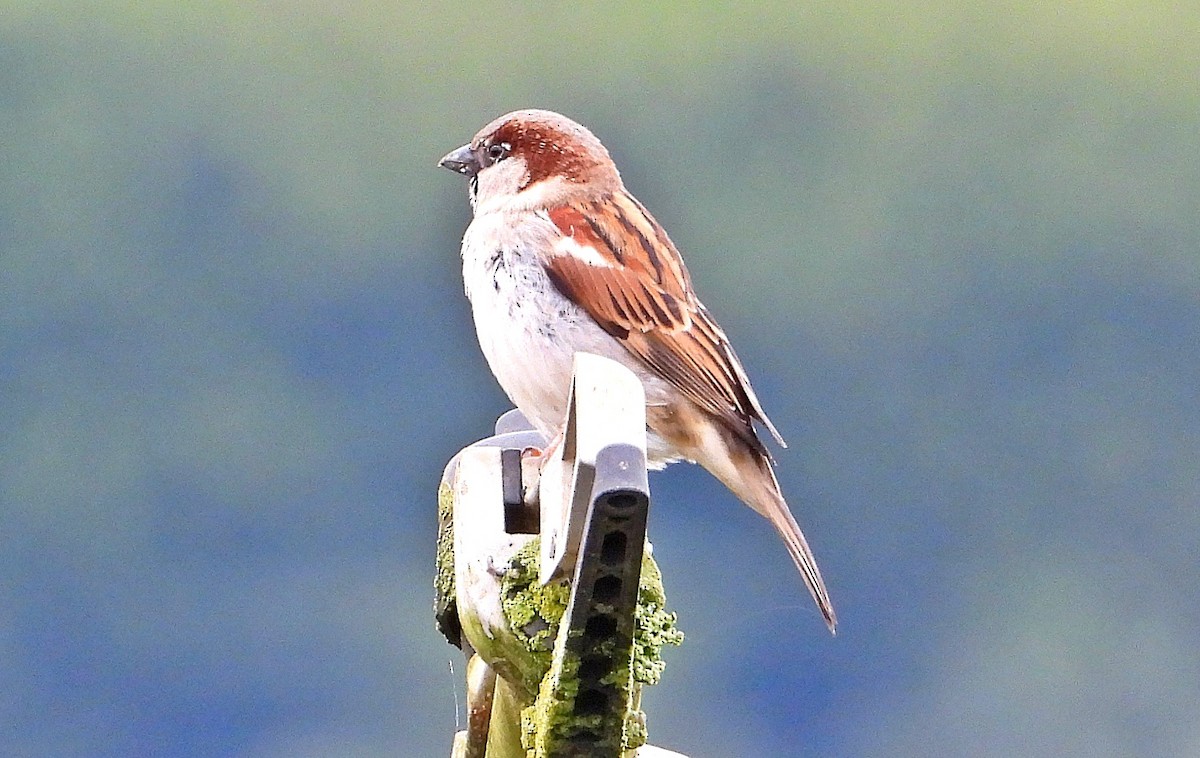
543,454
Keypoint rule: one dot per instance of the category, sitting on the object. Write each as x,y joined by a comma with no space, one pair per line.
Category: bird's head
533,159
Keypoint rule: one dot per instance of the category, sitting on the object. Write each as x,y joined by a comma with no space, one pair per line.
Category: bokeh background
958,248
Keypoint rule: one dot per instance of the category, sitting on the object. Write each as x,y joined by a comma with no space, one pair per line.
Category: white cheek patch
586,253
541,194
499,183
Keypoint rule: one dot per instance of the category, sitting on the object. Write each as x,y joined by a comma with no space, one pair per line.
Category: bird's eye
498,151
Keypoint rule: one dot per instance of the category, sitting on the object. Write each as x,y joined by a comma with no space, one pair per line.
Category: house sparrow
561,258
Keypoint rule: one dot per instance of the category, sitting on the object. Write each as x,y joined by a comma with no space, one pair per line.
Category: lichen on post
556,715
522,649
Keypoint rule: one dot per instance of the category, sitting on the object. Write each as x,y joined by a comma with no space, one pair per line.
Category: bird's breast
529,331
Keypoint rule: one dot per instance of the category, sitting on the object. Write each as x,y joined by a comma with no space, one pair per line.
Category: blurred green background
958,248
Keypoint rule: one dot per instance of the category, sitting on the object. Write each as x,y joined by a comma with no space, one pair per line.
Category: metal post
543,596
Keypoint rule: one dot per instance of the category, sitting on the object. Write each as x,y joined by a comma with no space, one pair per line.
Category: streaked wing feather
643,297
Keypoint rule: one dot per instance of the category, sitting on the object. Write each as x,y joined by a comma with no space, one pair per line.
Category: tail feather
745,468
747,473
768,500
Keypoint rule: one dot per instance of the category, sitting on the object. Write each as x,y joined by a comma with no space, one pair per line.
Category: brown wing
627,274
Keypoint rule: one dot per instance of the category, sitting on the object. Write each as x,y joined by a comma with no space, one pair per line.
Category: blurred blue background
958,249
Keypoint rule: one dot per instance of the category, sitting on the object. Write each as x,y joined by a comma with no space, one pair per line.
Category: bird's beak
461,161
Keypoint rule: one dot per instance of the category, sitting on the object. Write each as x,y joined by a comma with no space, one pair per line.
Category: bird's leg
544,453
533,463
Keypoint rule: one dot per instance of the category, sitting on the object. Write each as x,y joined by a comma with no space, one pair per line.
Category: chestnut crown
549,144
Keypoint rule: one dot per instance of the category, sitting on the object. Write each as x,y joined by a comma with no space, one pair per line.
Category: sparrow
560,258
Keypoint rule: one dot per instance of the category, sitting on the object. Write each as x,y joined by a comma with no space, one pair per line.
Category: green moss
524,652
655,626
443,581
444,606
552,718
635,734
533,611
520,648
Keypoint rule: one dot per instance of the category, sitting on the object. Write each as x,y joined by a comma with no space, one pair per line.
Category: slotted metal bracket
591,673
607,405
